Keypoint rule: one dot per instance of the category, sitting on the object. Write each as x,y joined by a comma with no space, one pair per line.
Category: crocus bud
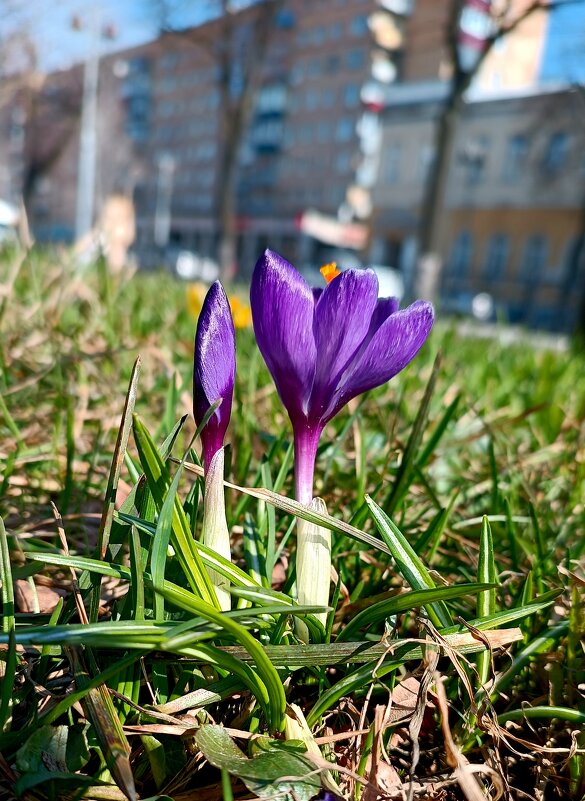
214,369
213,380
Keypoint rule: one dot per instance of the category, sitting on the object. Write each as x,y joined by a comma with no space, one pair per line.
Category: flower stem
313,563
306,442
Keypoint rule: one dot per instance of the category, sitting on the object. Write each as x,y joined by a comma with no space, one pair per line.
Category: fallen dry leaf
27,597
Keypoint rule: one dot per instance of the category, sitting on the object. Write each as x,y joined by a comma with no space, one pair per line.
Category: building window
496,257
462,255
285,19
355,59
328,100
335,31
343,161
572,263
169,61
297,74
351,95
426,158
392,163
312,99
271,99
516,157
324,131
359,25
315,67
303,38
556,152
475,157
344,129
534,258
318,36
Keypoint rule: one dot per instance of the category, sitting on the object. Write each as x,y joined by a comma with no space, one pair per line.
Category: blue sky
135,21
564,54
58,46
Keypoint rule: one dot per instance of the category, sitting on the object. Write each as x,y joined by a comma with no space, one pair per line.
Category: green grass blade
7,689
486,601
304,512
377,613
544,643
159,483
544,713
112,486
160,544
438,432
504,618
6,578
210,558
406,471
408,562
8,621
107,725
276,702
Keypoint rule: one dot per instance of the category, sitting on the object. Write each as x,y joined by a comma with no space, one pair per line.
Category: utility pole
88,132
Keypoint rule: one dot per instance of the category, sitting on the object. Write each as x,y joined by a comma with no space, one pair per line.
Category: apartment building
159,134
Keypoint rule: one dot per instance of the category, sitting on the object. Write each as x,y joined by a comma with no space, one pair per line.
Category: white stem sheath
313,562
215,530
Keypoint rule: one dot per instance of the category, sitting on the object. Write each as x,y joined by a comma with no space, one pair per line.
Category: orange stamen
329,271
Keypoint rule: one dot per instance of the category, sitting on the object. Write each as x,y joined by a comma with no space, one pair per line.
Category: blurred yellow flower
241,312
195,297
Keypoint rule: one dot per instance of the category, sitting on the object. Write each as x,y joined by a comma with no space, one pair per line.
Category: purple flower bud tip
214,369
324,348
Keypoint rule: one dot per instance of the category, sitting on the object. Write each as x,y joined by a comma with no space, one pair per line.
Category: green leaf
406,471
408,562
274,702
279,772
100,708
64,747
210,558
159,482
160,544
301,510
9,671
376,613
486,601
113,479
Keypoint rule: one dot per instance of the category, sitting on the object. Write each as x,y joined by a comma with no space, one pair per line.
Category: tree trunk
236,115
431,215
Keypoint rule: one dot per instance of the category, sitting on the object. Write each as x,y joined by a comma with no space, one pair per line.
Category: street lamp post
88,130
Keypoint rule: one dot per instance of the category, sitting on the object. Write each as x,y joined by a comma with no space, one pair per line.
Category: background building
337,150
514,215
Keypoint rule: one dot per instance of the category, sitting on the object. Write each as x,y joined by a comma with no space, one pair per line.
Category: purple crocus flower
214,369
325,346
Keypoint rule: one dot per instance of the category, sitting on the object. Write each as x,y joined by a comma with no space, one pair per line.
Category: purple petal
214,367
342,319
384,308
282,312
392,347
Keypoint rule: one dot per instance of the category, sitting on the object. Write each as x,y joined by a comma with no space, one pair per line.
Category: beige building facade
514,214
